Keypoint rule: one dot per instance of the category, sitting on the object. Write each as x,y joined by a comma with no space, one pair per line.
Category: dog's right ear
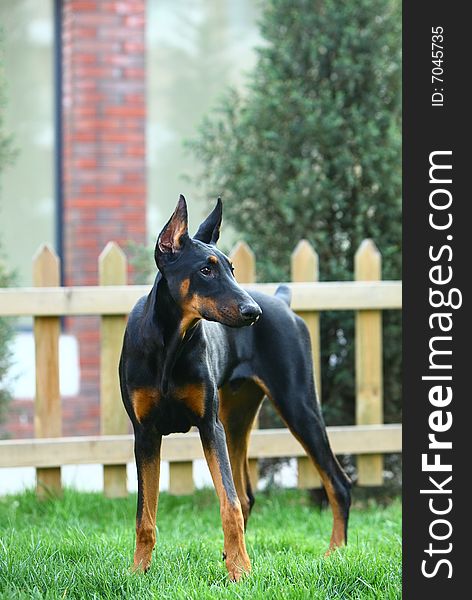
209,230
174,234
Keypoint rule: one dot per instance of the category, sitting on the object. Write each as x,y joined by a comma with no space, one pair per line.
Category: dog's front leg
147,446
214,446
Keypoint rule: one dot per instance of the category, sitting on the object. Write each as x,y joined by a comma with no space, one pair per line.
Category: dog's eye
206,271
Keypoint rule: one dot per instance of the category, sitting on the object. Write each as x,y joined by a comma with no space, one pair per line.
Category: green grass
81,546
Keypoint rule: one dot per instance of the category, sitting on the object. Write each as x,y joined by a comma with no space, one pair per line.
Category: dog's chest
179,409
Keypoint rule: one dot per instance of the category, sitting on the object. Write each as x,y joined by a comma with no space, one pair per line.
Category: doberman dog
189,359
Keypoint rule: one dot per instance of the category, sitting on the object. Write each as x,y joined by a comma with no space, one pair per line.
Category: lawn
81,547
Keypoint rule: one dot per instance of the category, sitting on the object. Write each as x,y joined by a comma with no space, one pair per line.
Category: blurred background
288,109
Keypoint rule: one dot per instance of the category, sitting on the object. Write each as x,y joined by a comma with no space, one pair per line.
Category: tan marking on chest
143,401
193,396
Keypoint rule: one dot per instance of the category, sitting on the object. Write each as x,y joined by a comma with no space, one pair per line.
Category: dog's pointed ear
209,230
174,234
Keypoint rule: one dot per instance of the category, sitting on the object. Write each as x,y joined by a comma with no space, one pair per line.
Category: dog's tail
283,292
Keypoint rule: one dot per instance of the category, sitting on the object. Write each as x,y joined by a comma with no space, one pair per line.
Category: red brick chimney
104,171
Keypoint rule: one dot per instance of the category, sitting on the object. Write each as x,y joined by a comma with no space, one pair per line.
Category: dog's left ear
209,230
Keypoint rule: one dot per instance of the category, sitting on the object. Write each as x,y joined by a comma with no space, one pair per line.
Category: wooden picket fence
112,300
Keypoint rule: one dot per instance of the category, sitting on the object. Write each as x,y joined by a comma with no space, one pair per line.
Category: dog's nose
250,311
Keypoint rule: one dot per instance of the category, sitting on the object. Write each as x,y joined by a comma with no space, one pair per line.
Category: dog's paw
333,547
238,565
141,564
139,569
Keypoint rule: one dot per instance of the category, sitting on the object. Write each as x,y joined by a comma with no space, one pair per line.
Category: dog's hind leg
237,412
298,407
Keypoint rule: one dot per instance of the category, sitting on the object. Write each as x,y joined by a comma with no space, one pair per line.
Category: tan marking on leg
193,396
235,554
146,526
143,400
338,537
338,532
237,411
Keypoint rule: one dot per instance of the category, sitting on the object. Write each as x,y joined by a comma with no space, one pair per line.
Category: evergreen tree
312,149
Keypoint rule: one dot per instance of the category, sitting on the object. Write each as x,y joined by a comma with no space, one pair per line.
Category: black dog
188,360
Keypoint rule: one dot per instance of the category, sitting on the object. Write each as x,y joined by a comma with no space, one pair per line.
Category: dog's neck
172,327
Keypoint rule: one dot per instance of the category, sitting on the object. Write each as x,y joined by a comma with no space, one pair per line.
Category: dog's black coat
188,360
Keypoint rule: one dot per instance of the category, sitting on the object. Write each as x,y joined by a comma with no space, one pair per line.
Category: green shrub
312,149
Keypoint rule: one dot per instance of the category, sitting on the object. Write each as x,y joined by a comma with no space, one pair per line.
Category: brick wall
104,174
104,161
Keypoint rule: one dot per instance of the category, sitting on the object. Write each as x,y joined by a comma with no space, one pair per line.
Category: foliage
141,258
81,546
312,150
7,154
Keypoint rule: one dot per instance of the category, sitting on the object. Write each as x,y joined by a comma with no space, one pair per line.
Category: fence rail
120,299
183,447
112,301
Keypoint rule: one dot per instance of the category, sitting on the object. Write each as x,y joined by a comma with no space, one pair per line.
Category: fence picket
368,341
112,266
181,478
305,267
48,414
